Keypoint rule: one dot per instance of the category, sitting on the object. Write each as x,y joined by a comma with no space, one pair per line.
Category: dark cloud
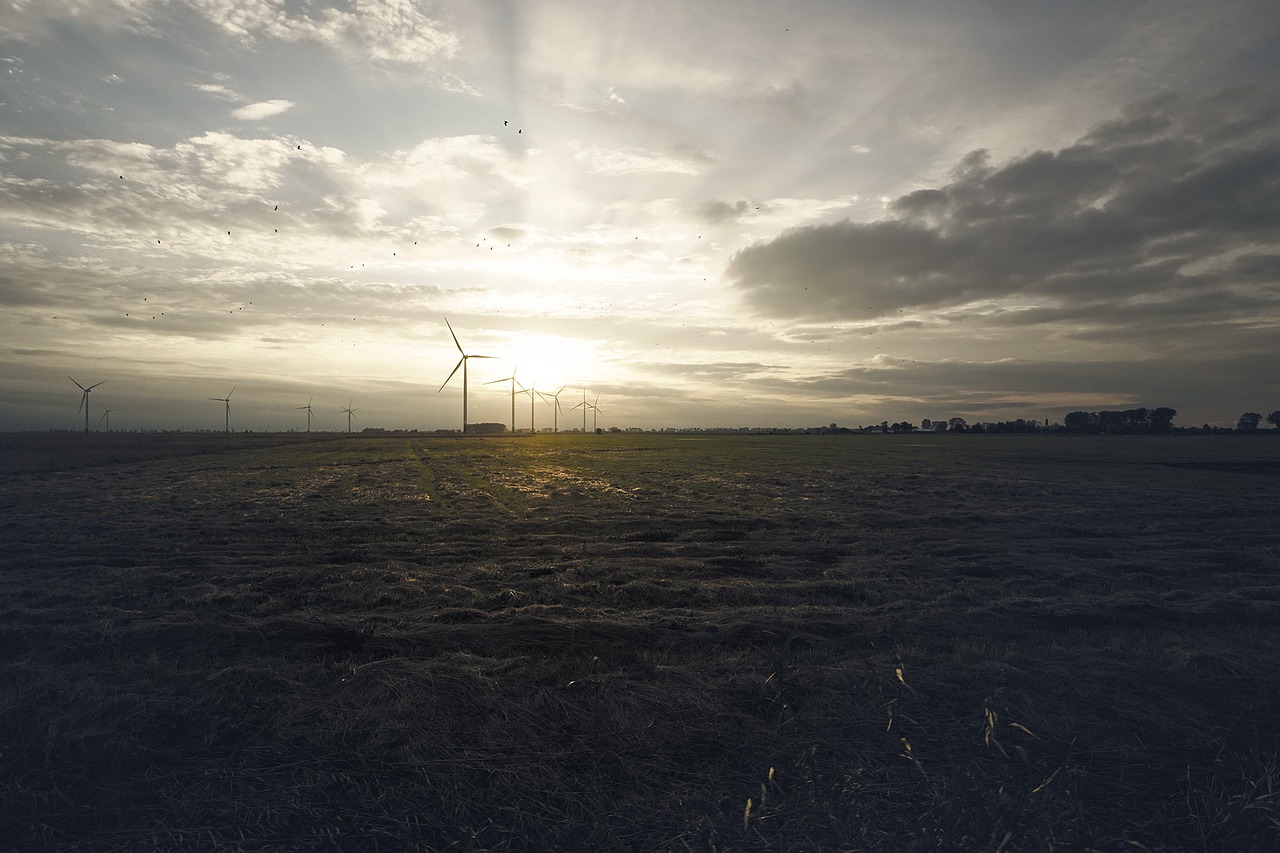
1026,388
1171,209
510,233
716,212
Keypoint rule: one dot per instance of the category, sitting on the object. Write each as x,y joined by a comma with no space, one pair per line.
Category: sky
715,214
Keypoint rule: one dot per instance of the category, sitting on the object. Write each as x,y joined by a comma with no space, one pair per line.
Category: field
640,642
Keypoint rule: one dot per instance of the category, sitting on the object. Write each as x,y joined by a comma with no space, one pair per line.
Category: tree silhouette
1274,419
1248,421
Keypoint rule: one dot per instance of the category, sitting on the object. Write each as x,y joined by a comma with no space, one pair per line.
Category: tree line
1138,421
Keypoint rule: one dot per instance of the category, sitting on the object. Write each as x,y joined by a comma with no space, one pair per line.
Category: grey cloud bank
1171,210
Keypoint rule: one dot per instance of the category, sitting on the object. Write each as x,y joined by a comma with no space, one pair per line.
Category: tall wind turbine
227,401
462,362
106,416
308,408
512,380
84,400
348,411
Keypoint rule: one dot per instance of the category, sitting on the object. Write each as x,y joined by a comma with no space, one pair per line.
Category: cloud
262,109
1172,208
391,31
394,32
217,90
626,161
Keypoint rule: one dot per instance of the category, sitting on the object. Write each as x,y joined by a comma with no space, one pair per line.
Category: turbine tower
555,408
595,410
308,408
532,391
227,401
512,380
462,362
584,405
84,400
106,416
348,411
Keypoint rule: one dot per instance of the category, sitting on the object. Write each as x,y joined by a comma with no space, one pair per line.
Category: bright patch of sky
710,214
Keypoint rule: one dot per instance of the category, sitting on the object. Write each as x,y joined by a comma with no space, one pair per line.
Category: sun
549,362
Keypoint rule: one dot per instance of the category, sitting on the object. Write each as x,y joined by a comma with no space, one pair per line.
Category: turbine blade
461,361
232,391
78,385
94,385
455,337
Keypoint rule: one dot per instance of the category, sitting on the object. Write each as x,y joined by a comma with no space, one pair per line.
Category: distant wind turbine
532,391
106,416
308,408
555,408
348,411
595,410
84,400
512,380
227,401
462,362
584,405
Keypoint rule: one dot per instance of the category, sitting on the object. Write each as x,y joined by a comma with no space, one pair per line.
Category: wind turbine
227,401
106,416
512,380
348,411
308,408
84,400
595,410
462,362
584,405
555,409
532,391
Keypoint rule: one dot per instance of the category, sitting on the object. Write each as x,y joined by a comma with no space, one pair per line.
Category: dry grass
620,643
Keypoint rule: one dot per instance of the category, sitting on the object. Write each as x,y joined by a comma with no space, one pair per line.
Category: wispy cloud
393,31
262,109
627,161
217,90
